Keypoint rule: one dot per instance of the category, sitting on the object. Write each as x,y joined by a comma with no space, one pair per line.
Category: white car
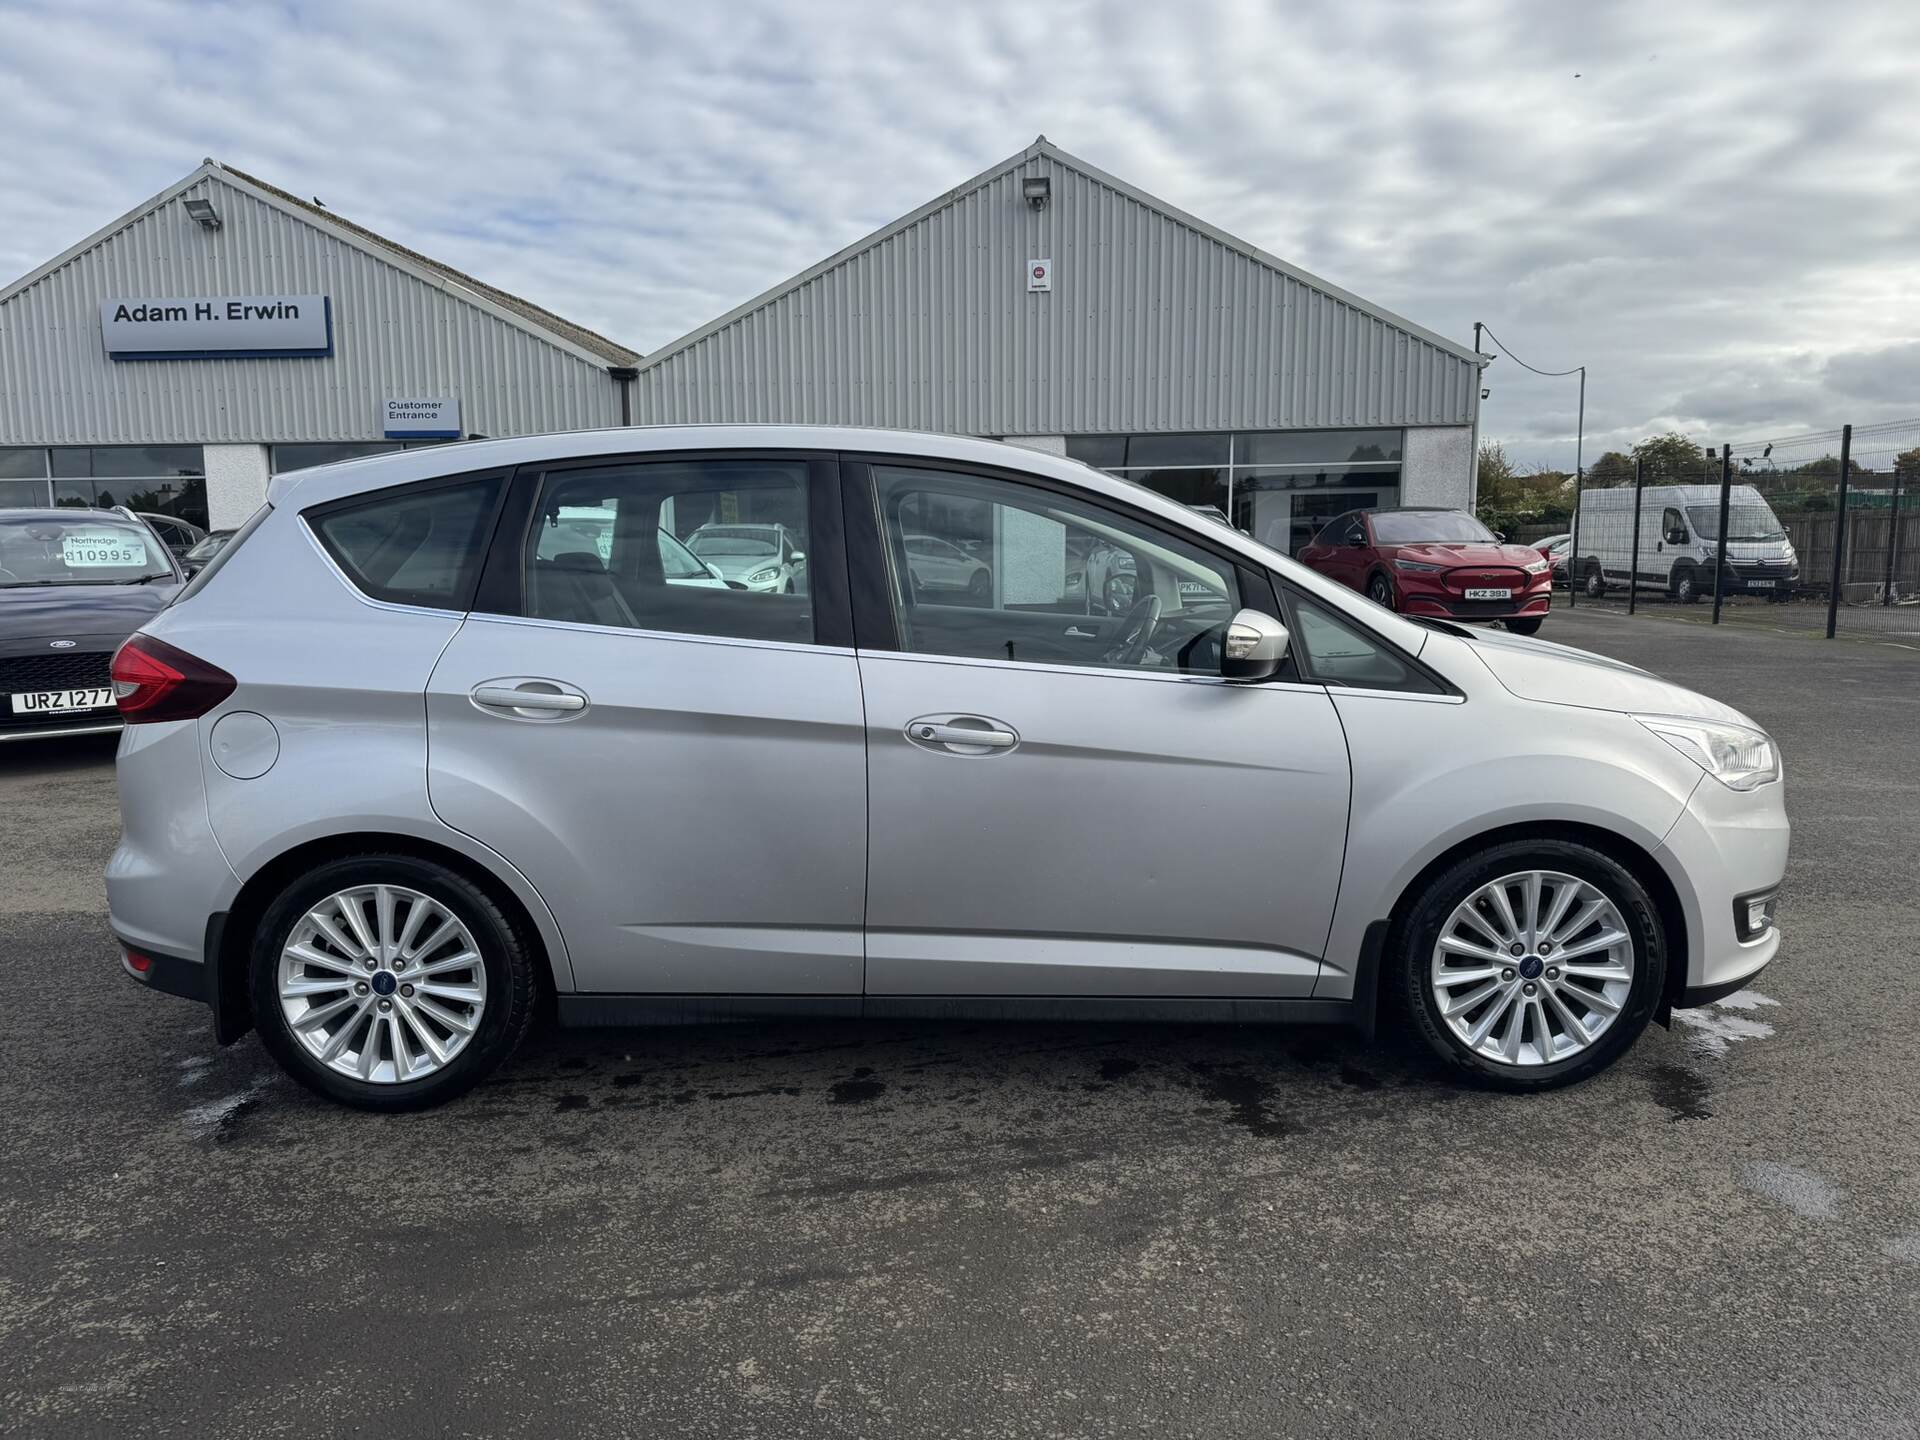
761,558
937,564
578,529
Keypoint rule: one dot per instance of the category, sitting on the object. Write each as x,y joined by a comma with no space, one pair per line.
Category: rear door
678,769
1065,798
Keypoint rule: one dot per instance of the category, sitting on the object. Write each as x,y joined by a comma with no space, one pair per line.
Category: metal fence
1822,533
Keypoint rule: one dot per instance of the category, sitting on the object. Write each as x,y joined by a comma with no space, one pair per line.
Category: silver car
393,773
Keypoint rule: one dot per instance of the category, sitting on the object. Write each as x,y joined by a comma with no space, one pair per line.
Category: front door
1064,797
678,766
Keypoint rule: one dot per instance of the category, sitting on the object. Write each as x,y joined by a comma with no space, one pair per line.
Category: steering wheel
1135,631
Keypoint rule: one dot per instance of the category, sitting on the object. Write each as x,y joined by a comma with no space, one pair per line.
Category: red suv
1435,562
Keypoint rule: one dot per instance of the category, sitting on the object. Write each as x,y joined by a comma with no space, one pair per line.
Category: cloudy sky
1715,207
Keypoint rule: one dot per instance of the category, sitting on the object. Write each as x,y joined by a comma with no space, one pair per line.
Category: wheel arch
230,934
1630,855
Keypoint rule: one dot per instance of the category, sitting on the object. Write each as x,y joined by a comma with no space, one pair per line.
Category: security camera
1486,394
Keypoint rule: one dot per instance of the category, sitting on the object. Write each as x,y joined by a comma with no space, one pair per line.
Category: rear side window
413,546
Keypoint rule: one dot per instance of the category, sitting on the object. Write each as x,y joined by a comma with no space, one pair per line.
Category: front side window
1338,652
413,545
696,547
994,570
36,551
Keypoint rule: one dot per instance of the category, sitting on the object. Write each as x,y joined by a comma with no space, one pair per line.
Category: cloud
1715,217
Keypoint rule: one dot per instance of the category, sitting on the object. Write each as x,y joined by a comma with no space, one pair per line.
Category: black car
73,585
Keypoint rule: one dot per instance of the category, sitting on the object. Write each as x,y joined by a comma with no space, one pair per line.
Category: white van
1679,525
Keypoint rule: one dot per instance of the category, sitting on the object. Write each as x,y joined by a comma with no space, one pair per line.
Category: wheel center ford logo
1530,967
384,983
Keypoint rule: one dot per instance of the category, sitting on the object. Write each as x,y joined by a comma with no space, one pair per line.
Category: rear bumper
180,975
99,722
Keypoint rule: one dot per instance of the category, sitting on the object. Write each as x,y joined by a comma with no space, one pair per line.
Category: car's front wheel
1380,591
389,982
1534,964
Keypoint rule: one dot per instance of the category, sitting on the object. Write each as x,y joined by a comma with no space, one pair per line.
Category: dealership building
226,329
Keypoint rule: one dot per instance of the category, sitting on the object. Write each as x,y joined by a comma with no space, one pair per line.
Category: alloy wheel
382,983
1532,968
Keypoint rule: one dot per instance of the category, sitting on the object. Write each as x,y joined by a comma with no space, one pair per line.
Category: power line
1551,374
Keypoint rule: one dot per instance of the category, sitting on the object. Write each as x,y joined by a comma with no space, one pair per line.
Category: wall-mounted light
203,212
1038,189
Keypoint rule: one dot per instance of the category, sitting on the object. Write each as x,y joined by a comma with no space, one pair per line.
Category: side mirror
1256,645
1501,536
1357,539
796,557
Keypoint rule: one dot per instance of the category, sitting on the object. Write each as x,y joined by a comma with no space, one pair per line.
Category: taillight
153,680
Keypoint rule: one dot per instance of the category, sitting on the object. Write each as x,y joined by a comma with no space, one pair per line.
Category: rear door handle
529,698
961,734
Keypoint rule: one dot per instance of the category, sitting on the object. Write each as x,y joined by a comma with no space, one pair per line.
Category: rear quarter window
416,544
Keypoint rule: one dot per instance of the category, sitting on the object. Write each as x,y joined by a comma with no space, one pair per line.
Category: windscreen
1744,522
86,550
1414,527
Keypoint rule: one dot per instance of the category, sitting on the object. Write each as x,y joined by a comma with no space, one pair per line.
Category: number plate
62,702
1489,594
1760,585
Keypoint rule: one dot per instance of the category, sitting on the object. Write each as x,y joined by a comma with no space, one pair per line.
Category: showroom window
1279,486
149,479
23,483
306,455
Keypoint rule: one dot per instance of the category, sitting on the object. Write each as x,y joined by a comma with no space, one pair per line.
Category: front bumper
1727,846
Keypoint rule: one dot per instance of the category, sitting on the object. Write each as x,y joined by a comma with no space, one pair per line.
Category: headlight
1739,758
1418,567
1540,566
772,572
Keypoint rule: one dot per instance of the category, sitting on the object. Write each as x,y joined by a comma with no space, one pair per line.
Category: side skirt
635,1010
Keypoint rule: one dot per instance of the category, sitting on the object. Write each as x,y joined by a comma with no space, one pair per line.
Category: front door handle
961,734
529,698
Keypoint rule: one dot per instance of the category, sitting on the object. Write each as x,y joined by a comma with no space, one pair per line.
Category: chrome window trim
691,637
1337,691
1110,671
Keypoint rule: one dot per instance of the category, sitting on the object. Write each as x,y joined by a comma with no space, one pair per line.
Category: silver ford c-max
410,755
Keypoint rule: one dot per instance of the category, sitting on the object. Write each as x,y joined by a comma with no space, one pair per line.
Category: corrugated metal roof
403,326
1156,321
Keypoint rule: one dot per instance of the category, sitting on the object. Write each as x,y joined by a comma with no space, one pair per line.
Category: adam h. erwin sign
206,327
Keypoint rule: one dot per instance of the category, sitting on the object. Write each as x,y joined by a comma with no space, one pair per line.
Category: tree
1512,497
1675,460
1609,470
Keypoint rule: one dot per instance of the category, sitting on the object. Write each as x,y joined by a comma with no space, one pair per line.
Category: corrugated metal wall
1150,325
394,335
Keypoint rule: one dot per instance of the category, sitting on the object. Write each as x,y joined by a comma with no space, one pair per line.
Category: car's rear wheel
390,982
1526,624
1596,583
1531,965
1686,584
1380,591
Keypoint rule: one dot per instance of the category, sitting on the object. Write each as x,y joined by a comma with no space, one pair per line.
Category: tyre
390,982
1531,965
1380,591
1526,624
1595,583
980,586
1686,585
